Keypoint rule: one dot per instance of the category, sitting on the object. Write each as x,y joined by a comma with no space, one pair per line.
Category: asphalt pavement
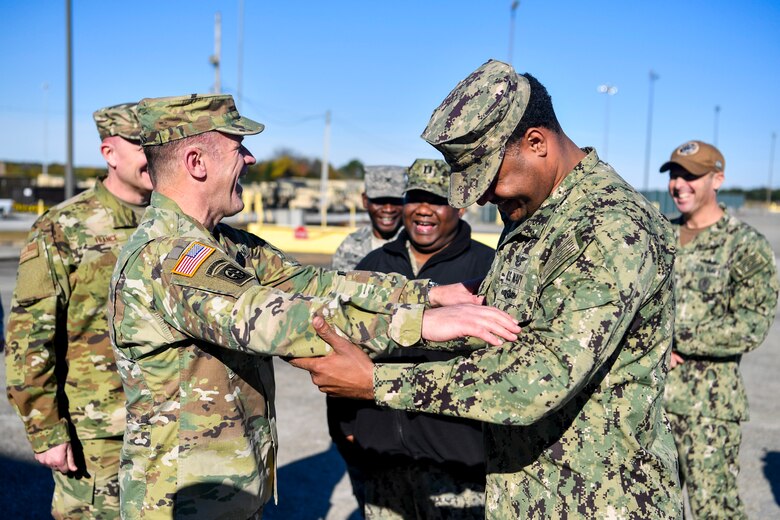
312,481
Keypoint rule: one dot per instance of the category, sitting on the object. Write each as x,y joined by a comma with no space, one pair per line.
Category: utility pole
69,101
45,166
771,165
324,172
609,90
240,53
653,78
512,10
715,131
214,59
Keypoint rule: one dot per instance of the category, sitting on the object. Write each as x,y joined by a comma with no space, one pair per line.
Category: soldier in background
197,308
573,408
726,291
62,378
418,465
383,199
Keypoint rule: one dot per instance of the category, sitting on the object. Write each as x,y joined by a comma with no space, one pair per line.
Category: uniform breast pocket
516,293
705,279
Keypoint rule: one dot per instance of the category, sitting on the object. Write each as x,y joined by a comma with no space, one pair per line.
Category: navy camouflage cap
170,118
121,120
385,181
430,175
472,125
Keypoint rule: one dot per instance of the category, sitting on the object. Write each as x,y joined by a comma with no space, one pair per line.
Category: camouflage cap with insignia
472,125
697,157
121,120
170,118
385,181
431,175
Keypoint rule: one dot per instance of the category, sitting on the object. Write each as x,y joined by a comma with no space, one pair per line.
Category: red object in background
301,233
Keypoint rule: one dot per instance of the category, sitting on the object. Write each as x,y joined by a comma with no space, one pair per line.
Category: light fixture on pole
653,78
512,10
609,90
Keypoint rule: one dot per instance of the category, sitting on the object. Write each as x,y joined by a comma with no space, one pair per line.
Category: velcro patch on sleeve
228,272
192,258
749,265
29,252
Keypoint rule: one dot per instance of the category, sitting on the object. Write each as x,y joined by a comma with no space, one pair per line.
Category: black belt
710,359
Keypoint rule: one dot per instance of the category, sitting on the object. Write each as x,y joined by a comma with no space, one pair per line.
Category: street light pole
653,78
771,165
69,101
609,90
715,132
45,167
512,11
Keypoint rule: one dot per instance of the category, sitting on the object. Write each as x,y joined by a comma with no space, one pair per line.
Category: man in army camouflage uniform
383,199
197,308
62,378
574,407
726,291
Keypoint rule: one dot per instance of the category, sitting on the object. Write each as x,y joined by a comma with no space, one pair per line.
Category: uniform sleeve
752,298
222,303
33,332
581,317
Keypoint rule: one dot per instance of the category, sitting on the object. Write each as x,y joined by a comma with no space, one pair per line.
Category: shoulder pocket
749,265
205,267
33,279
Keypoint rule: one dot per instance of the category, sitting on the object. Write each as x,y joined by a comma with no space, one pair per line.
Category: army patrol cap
171,118
385,181
696,157
430,175
472,125
121,120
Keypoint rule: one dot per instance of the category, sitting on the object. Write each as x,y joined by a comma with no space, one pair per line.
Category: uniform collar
167,212
122,215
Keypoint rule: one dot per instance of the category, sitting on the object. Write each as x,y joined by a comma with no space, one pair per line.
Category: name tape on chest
193,257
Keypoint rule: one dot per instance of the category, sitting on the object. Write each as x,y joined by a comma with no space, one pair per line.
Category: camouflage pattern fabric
421,490
576,426
356,246
195,318
709,465
121,120
385,181
431,175
171,118
60,368
726,290
94,493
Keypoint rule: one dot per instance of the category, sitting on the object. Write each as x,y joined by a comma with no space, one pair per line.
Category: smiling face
694,194
430,221
229,161
385,215
521,185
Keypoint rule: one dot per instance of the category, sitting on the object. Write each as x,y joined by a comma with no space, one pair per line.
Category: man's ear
461,212
365,200
717,180
194,161
536,141
108,153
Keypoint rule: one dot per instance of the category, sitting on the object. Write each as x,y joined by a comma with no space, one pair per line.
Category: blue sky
382,67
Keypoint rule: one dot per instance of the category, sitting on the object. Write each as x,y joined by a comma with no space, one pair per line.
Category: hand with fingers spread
455,294
58,458
491,325
346,372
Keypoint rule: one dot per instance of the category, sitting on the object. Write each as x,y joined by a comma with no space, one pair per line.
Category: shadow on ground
305,487
26,490
771,462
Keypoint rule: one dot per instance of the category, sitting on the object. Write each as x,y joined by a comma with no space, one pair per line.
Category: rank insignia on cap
192,259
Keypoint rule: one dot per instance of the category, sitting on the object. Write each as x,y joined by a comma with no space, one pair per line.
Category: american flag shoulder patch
192,258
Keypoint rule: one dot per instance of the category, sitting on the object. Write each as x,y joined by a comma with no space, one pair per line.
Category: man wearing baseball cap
726,292
62,377
383,199
573,408
411,460
197,308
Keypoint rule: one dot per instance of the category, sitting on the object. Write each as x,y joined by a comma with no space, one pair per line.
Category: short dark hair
161,158
538,113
